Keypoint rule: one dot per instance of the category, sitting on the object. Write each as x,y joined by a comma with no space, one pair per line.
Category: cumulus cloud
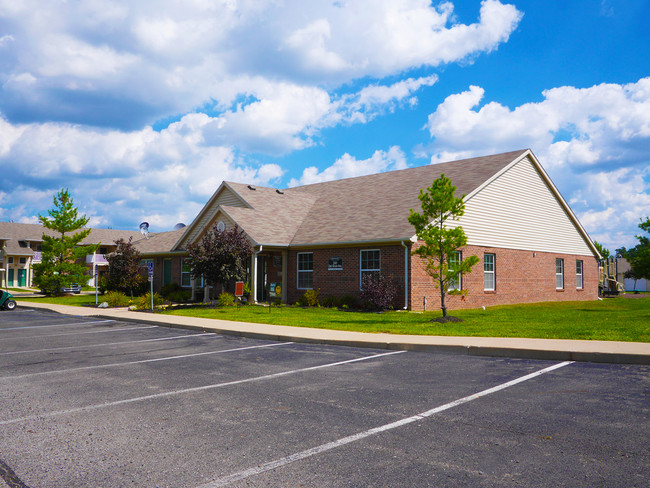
583,137
155,59
348,166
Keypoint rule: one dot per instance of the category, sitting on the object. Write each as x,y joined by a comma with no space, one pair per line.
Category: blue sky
142,108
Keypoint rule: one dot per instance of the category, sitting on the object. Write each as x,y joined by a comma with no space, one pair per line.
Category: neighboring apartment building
327,236
20,248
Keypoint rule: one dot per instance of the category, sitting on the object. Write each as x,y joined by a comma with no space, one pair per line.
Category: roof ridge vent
251,187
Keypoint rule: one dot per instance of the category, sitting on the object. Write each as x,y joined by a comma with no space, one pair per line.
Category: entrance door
10,279
167,271
261,278
22,277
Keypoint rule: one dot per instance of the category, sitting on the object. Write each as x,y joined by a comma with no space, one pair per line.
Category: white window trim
580,277
493,272
185,273
560,275
459,278
362,270
298,271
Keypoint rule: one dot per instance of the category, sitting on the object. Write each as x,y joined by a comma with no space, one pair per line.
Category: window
305,270
454,264
559,274
579,280
489,278
370,264
186,279
23,260
10,260
103,250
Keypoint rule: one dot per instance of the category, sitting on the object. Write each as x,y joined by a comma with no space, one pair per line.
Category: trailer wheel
11,305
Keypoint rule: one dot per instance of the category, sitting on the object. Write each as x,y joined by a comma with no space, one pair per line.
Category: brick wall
520,277
346,281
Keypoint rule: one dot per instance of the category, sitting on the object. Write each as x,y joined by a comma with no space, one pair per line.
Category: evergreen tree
440,242
62,256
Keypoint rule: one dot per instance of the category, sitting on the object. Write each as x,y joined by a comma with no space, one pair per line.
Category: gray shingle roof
362,209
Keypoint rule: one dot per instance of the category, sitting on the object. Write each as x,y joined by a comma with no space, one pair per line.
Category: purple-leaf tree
220,257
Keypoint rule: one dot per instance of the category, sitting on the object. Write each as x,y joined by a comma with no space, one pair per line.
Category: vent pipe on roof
251,187
279,192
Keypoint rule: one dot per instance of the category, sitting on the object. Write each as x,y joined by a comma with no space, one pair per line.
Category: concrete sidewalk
556,349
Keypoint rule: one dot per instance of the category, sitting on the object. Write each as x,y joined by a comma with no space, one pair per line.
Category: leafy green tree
62,256
604,253
440,243
640,261
124,271
220,257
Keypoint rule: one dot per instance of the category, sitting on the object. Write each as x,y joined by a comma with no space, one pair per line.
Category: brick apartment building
326,236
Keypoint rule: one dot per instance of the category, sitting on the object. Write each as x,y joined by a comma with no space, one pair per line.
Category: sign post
150,266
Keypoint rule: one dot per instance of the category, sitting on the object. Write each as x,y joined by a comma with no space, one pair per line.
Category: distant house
327,236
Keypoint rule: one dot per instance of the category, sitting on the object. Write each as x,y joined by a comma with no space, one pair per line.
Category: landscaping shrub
170,288
379,293
309,299
180,296
349,301
116,299
330,302
144,302
226,299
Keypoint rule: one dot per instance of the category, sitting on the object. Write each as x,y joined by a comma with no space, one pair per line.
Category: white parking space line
82,332
142,361
377,430
85,346
54,325
192,390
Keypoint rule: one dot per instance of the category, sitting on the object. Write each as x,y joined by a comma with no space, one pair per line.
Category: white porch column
254,275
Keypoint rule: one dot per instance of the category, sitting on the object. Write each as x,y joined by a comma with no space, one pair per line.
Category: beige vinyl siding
518,210
227,198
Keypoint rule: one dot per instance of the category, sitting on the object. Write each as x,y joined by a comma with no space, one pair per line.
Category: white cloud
594,142
141,61
348,166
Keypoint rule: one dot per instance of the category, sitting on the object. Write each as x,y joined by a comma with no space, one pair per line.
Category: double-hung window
489,274
186,278
305,270
559,274
454,264
579,276
370,264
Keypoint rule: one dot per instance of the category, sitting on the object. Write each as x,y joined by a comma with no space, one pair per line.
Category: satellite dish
144,229
179,226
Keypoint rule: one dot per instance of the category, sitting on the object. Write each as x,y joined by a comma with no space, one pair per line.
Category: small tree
440,242
220,257
604,253
59,266
640,261
124,272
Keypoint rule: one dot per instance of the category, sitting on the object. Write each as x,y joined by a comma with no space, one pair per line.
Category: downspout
406,276
254,284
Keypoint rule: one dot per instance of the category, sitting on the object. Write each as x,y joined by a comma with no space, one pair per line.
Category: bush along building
328,236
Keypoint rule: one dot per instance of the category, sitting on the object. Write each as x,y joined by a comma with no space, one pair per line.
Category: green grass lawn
612,319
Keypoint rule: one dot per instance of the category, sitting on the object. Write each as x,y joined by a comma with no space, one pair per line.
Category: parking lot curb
522,348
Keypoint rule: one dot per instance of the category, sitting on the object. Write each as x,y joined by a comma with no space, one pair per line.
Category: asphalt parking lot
98,403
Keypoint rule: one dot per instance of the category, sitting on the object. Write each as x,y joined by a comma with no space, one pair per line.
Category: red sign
239,288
